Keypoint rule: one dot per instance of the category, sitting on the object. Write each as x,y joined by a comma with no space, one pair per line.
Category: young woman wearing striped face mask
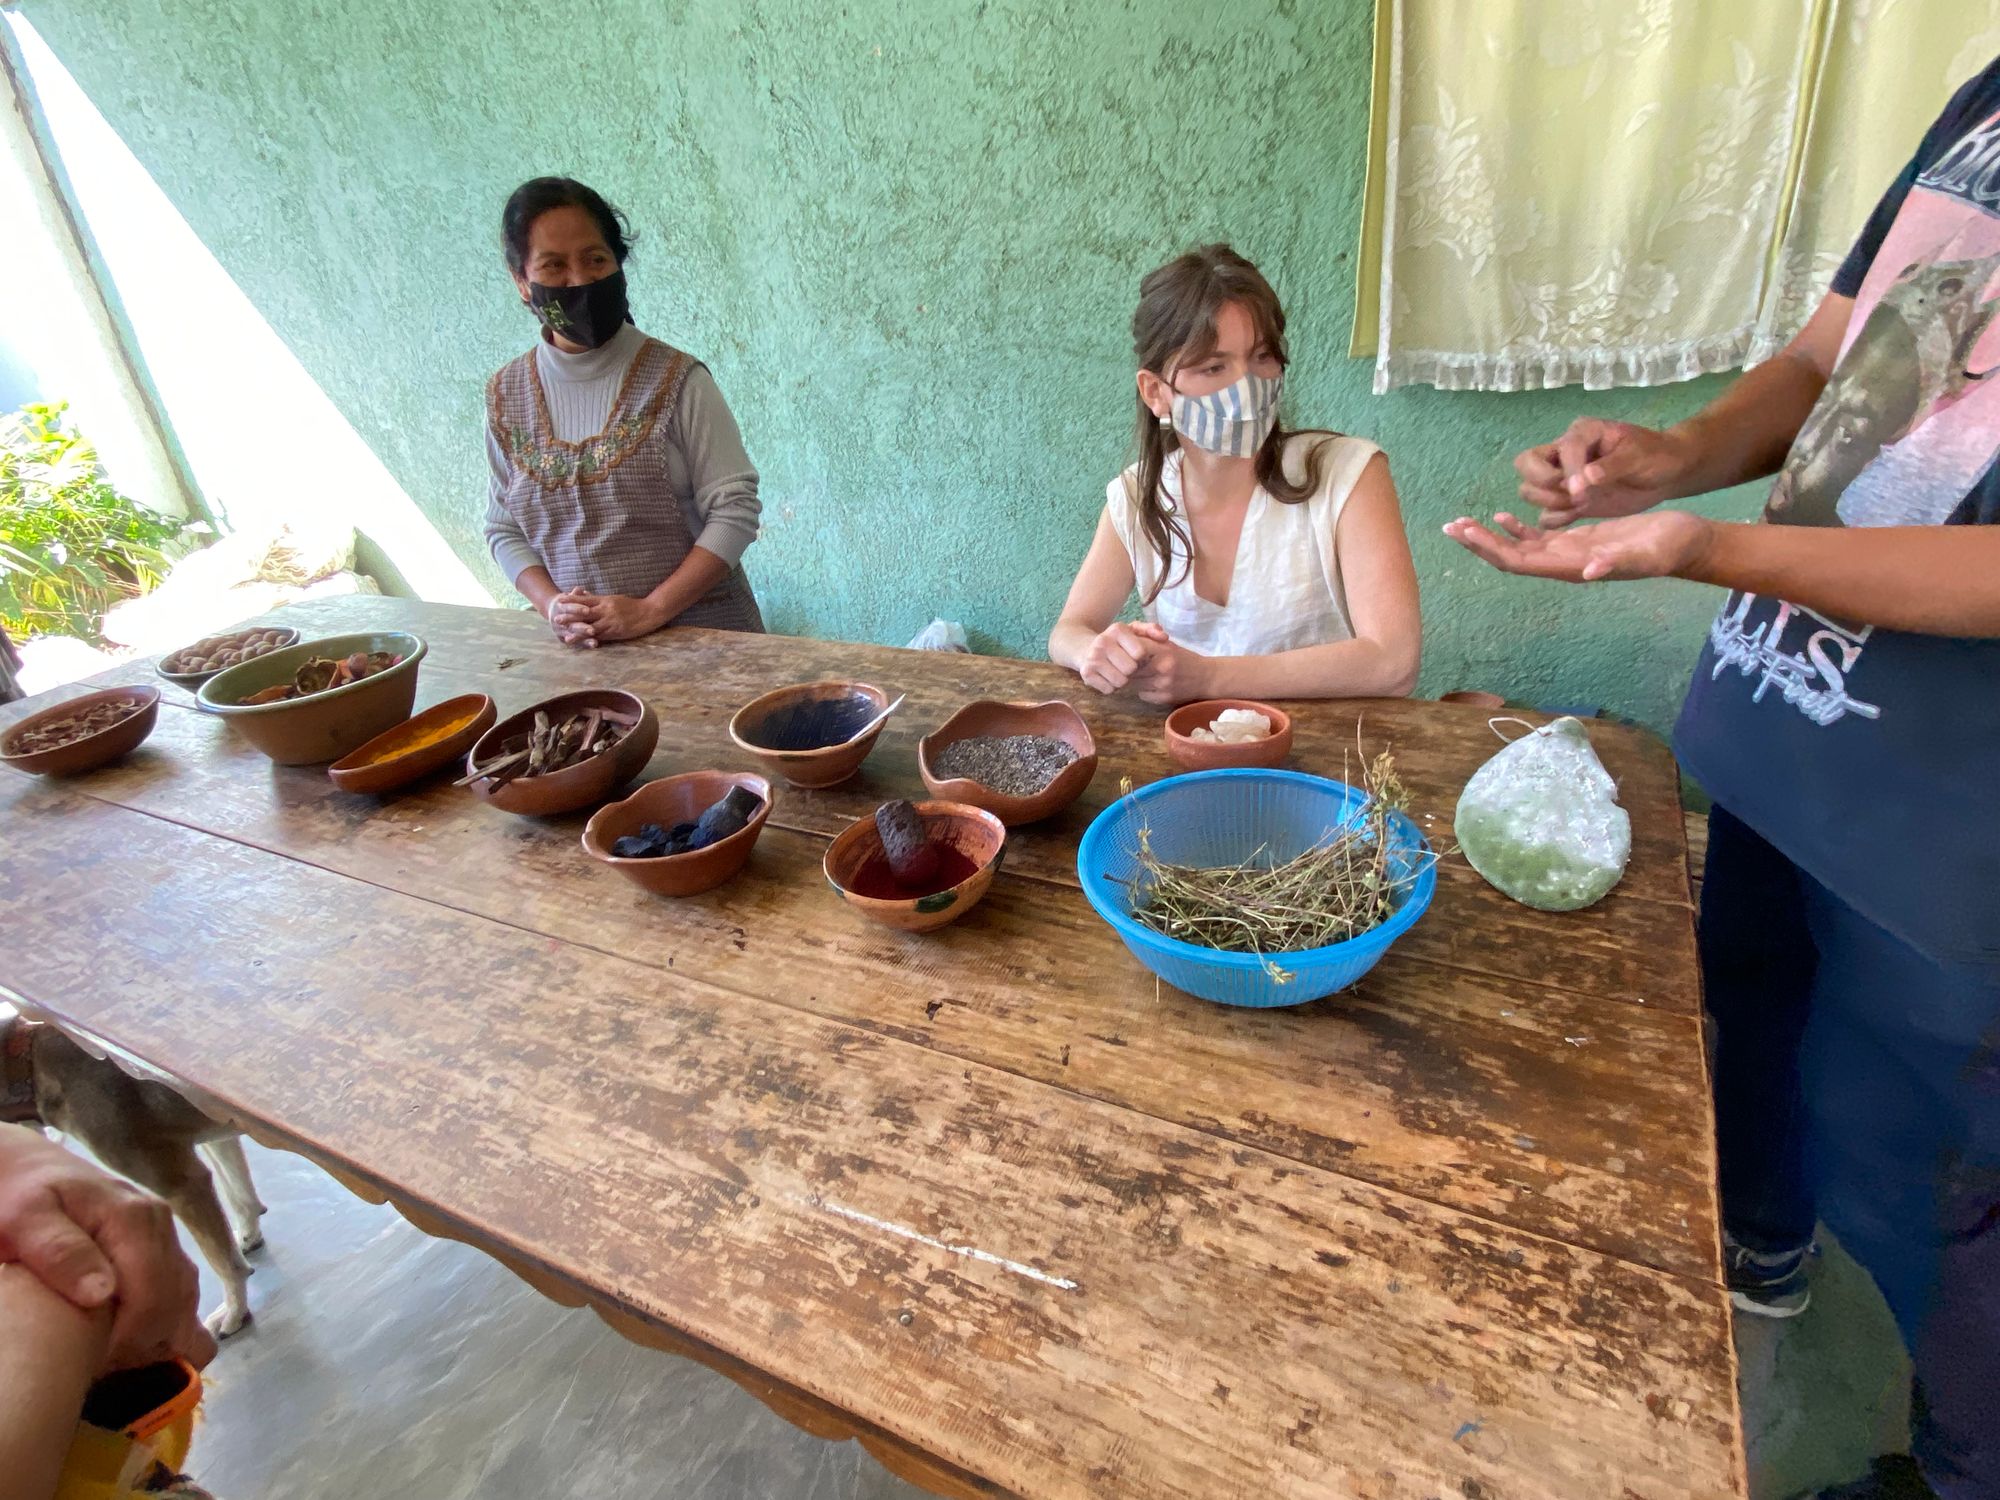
1267,563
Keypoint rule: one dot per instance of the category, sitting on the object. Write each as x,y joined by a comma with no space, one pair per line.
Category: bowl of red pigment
917,866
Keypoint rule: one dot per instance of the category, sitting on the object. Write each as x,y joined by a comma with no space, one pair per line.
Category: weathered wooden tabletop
989,1200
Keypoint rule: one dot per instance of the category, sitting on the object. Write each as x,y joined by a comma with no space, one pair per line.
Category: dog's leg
195,1204
178,1176
239,1193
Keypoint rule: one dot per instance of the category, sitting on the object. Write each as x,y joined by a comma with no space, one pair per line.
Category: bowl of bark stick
1022,746
83,733
669,804
812,734
564,753
415,748
970,841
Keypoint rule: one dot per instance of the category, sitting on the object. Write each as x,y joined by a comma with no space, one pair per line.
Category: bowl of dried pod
564,753
311,703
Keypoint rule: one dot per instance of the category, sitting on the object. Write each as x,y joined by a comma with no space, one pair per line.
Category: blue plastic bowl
1221,818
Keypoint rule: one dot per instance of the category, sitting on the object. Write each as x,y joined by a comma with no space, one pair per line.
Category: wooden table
991,1200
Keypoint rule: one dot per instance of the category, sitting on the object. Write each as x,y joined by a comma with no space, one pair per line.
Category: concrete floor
1825,1392
379,1361
383,1362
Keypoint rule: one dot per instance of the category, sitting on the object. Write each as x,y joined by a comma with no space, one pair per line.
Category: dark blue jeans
1857,1082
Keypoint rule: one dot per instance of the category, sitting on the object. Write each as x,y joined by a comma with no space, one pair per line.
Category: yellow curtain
1888,67
1624,192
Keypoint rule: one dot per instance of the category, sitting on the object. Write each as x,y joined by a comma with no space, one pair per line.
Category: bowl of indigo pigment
811,734
1022,762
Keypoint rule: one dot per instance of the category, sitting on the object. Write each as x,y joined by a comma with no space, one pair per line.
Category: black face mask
590,315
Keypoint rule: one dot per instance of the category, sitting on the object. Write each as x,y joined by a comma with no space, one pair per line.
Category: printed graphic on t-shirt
1802,654
1911,363
1906,429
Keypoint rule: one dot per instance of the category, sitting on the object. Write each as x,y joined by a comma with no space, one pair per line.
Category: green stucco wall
905,234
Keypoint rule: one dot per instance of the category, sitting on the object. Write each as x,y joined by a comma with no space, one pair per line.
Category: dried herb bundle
1350,881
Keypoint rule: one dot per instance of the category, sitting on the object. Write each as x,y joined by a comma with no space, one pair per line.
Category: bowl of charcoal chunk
683,835
1022,762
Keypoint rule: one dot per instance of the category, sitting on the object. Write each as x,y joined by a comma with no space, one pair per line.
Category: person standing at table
621,500
1845,715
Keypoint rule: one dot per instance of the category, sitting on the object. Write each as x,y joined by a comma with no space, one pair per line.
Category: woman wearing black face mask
622,500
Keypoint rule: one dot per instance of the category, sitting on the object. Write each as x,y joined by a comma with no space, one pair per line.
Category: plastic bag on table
1541,820
941,635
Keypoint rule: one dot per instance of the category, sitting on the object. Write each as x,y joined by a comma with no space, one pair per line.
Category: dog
147,1132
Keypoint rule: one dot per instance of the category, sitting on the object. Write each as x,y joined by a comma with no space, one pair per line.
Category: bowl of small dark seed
1022,762
83,733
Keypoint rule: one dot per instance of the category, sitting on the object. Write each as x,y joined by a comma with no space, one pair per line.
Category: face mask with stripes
1234,421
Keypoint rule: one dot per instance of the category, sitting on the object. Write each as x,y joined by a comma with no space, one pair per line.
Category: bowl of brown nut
193,665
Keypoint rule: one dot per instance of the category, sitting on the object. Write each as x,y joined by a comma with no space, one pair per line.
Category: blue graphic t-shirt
1871,757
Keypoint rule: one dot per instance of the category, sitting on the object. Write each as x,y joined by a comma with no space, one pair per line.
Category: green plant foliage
71,546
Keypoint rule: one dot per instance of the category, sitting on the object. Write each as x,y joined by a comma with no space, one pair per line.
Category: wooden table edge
808,1412
811,1413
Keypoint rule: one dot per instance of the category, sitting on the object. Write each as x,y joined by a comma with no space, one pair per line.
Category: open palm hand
1658,545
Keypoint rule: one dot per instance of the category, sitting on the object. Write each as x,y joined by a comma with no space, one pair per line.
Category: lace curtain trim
1596,369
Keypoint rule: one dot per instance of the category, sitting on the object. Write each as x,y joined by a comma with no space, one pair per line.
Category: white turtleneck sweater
711,475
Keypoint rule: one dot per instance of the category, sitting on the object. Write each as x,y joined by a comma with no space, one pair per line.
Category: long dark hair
1175,325
537,196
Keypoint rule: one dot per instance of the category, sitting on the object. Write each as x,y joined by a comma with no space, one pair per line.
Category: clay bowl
382,766
321,726
166,668
678,799
974,832
576,786
1198,755
1054,720
760,728
92,751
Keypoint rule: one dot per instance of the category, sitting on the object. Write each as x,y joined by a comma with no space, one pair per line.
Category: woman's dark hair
1175,326
537,196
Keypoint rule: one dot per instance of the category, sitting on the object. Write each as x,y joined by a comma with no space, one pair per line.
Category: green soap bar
1541,821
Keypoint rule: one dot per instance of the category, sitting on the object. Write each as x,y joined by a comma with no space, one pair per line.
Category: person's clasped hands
584,619
1138,654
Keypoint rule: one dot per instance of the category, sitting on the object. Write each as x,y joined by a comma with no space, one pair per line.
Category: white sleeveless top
1286,590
